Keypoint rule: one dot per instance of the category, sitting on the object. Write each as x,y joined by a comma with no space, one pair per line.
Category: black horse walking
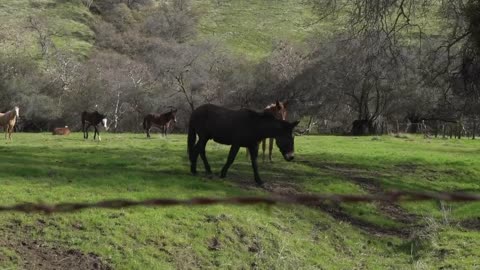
93,119
242,128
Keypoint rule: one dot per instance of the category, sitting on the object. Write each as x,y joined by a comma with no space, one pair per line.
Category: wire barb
300,199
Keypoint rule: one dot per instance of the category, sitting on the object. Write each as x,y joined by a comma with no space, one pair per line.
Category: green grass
41,167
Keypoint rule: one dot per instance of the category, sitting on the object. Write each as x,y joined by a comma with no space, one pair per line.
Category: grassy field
44,168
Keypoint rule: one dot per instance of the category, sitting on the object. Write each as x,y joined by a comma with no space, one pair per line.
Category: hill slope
66,22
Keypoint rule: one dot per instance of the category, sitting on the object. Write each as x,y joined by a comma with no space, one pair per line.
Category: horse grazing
61,131
163,121
242,128
8,120
93,119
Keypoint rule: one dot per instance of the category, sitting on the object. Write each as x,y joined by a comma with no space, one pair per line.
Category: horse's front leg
231,158
254,154
263,149
9,128
94,133
98,134
270,148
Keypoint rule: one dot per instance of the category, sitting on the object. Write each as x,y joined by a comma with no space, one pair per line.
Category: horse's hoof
261,185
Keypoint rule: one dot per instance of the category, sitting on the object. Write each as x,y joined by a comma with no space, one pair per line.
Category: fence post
474,128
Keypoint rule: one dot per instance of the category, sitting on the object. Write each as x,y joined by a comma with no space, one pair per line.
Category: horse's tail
192,137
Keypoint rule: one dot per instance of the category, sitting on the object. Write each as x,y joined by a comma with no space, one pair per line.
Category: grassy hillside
249,27
40,167
67,20
252,27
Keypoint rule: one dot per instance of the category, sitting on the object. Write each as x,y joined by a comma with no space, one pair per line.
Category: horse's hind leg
202,143
193,159
85,132
231,157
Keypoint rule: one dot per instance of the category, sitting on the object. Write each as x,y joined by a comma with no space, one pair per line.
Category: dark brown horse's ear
277,103
285,103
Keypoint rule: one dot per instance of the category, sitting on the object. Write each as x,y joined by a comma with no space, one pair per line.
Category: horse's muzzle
289,156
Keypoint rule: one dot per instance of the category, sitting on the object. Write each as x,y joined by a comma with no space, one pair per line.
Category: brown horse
61,131
242,128
8,120
163,121
279,111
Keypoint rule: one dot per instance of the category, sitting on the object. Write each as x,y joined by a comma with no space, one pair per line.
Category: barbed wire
302,199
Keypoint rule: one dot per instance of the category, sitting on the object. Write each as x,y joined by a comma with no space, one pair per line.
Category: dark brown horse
93,119
242,128
163,121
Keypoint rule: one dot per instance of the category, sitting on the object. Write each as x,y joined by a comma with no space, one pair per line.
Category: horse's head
16,111
104,121
173,116
279,109
285,140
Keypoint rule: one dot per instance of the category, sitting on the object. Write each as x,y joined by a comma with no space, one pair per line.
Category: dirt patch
407,167
338,213
367,180
33,254
392,210
471,224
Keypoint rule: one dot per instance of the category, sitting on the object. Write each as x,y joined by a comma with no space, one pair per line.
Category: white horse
8,120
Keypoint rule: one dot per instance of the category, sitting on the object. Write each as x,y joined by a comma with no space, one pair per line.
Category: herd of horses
237,128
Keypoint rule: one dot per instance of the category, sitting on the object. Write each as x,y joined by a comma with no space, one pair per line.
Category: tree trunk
115,115
362,127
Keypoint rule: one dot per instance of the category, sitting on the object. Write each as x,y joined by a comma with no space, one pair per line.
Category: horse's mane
273,105
265,115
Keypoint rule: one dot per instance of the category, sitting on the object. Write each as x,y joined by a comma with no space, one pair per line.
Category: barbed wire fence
302,199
